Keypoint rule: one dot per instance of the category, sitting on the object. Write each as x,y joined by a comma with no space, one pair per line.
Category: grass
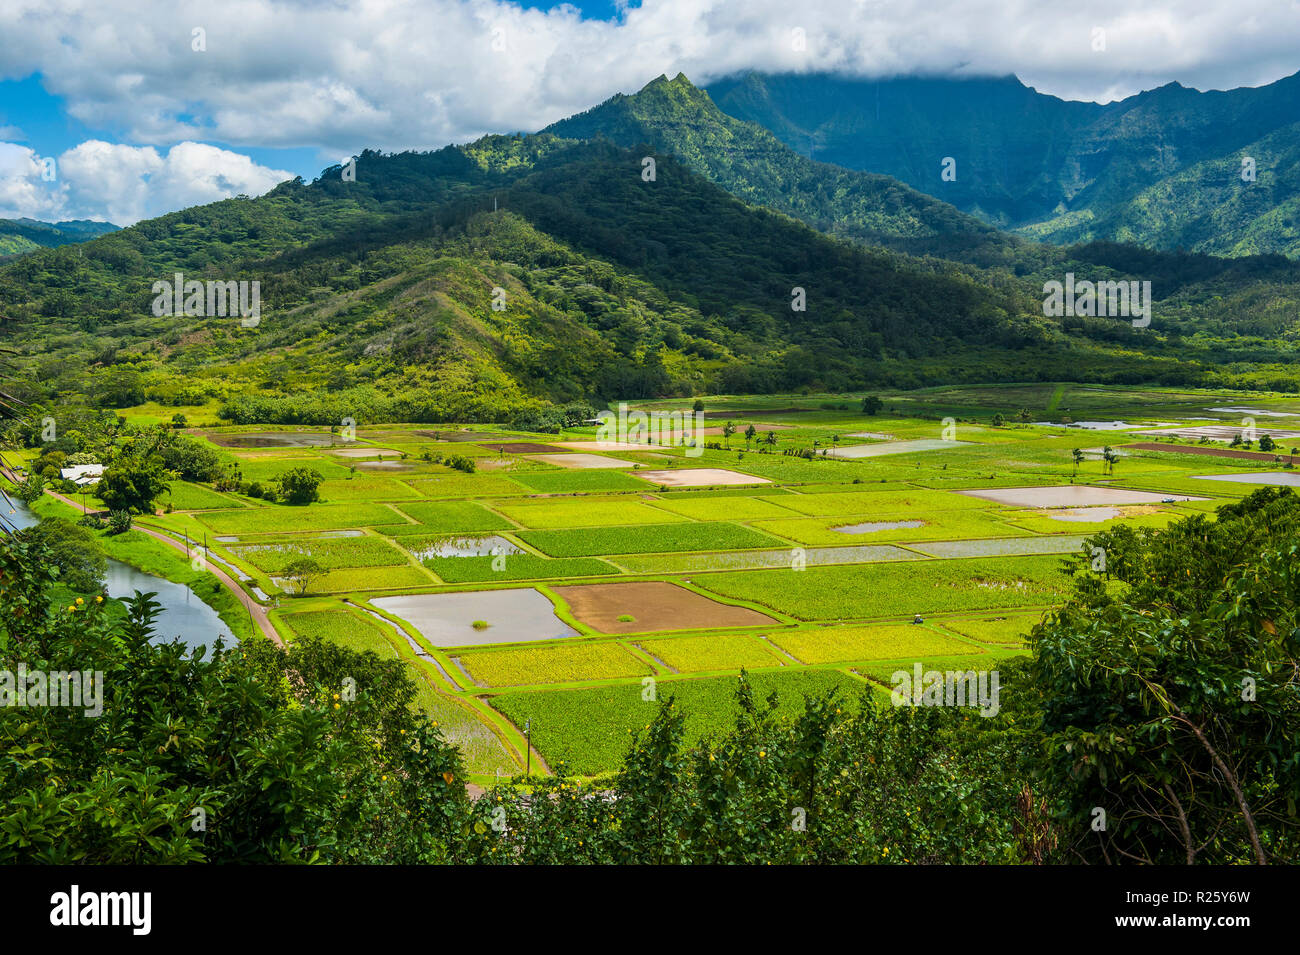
910,501
937,525
584,512
712,652
450,517
736,509
330,552
349,579
849,591
646,539
456,570
1007,629
448,482
846,644
343,627
588,731
553,664
572,481
184,496
312,517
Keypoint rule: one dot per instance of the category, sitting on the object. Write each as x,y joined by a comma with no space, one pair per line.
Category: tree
728,430
1024,416
30,490
1078,459
1109,455
770,439
72,549
302,571
132,483
311,754
179,421
998,420
871,404
300,485
750,432
1183,724
1266,443
698,406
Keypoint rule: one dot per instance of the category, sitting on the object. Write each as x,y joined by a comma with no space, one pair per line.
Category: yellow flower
336,706
336,696
762,753
100,600
80,601
71,608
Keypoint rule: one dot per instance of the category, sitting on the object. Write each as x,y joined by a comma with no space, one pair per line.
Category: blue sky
143,115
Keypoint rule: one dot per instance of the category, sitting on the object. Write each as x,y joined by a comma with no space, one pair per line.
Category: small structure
83,474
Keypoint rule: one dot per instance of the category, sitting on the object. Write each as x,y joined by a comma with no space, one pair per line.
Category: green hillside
1160,169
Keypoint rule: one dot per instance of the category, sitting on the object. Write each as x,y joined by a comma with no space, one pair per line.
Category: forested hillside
475,282
1162,169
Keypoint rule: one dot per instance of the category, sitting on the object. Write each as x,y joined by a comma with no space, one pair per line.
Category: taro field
569,584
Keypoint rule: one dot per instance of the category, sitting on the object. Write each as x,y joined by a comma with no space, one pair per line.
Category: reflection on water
184,615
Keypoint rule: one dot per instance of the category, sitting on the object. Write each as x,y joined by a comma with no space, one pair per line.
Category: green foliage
73,549
283,768
1170,702
300,485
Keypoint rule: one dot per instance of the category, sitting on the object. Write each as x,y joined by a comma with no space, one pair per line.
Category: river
184,614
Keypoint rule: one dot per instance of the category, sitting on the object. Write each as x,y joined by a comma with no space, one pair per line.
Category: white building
83,474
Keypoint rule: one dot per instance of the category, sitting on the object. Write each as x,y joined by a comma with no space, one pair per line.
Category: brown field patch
653,605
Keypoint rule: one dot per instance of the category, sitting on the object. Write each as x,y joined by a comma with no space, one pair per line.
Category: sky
119,110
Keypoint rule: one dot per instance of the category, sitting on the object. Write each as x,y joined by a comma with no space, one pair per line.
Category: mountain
1160,169
750,162
480,281
24,235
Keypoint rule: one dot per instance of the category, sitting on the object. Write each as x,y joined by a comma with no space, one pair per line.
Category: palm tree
728,430
771,440
1110,457
1078,457
750,432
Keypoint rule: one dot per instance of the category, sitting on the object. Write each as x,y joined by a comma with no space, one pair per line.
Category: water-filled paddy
699,477
893,447
1005,547
489,546
447,620
1072,495
870,527
1280,478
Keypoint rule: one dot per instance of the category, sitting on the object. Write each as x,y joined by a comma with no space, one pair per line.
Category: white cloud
392,74
123,184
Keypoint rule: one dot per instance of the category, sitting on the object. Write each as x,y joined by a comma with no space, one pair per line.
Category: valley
570,599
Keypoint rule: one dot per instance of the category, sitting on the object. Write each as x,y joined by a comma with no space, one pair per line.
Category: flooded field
893,447
1277,478
447,620
699,477
1073,495
870,527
